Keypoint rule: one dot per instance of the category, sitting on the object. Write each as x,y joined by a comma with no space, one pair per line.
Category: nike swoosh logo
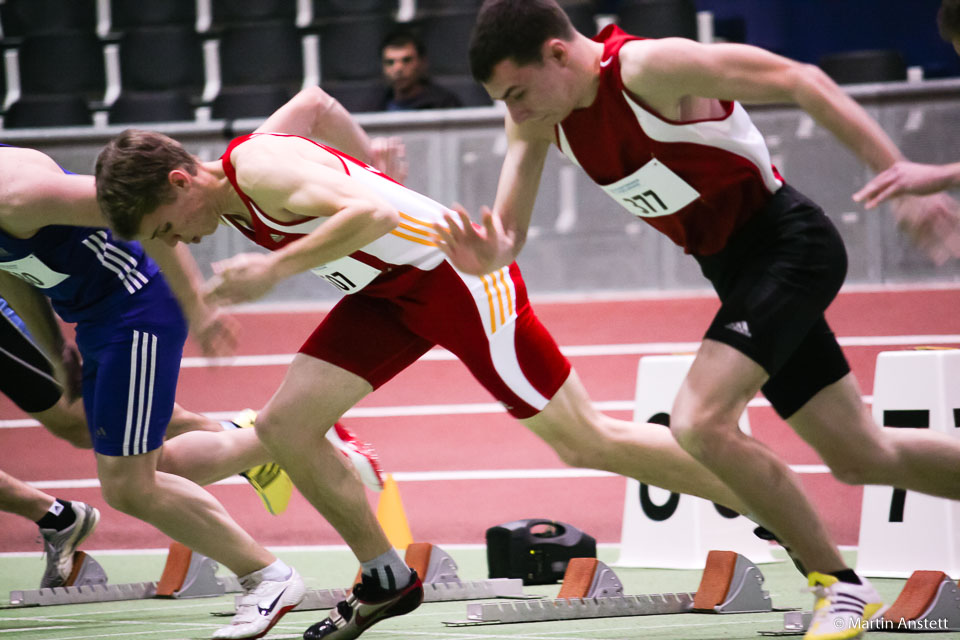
265,611
604,63
365,621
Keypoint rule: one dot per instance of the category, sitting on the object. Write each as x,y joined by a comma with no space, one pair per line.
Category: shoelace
246,609
343,612
842,604
265,474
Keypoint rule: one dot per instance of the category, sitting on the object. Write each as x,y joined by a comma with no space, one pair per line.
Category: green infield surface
165,619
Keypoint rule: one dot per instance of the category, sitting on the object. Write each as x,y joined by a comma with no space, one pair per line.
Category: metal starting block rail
929,601
185,575
730,584
440,582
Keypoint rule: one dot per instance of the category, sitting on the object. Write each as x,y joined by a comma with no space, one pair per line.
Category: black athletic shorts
26,374
775,278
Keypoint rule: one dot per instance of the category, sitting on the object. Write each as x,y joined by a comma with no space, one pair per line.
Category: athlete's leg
67,421
584,437
207,456
839,426
184,421
313,396
34,381
179,508
18,497
704,420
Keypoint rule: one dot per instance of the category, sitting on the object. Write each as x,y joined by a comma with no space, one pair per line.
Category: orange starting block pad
441,583
930,601
730,584
185,575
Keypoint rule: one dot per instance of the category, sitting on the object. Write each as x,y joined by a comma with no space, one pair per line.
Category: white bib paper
34,271
347,274
652,190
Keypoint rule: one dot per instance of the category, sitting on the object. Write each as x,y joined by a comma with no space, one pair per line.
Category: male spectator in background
405,72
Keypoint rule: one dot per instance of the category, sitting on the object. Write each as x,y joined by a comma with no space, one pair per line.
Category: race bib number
347,274
652,190
34,271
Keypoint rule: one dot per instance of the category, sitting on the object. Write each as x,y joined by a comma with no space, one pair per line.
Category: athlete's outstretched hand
932,222
390,157
471,248
242,278
904,178
215,331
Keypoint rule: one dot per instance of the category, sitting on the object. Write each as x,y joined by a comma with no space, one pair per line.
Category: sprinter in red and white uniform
657,125
319,209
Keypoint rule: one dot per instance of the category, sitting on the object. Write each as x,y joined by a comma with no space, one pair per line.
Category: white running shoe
262,605
361,455
841,610
59,546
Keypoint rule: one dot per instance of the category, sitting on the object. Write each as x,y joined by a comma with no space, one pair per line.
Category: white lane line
470,408
438,476
587,350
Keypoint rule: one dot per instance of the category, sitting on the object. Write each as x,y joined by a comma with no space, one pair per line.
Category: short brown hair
131,175
514,30
948,19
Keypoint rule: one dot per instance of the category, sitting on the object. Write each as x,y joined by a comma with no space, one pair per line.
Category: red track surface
457,511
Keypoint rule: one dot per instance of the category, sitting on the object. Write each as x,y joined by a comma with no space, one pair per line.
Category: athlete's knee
582,455
279,429
699,429
123,495
590,445
873,463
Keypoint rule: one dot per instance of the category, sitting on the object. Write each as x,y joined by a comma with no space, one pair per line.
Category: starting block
185,575
441,583
730,584
930,601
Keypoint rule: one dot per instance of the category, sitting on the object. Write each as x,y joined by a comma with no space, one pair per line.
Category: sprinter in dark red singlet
657,125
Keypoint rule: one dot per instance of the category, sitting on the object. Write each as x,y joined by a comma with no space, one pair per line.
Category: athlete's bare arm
678,78
292,179
906,177
214,331
313,113
504,230
34,309
35,192
668,75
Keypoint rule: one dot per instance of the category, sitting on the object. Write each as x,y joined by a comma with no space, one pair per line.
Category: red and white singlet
406,297
696,181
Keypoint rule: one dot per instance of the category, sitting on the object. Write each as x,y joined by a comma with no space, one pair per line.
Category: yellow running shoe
841,610
271,482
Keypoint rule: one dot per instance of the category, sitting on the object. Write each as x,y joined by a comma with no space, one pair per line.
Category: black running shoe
366,605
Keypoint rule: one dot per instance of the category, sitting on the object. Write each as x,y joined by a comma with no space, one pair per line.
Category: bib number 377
652,190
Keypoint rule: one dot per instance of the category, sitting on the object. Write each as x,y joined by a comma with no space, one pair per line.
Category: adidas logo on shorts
740,327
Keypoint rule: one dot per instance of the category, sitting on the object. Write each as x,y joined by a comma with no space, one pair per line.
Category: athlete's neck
585,58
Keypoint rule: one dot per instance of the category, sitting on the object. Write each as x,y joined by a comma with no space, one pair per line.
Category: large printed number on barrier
661,512
904,419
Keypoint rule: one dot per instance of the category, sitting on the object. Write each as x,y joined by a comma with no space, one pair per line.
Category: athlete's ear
178,178
556,50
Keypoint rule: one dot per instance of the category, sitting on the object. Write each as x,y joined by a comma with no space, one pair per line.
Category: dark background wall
807,29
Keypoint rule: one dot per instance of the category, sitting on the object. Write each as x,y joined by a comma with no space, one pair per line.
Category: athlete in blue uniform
130,333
